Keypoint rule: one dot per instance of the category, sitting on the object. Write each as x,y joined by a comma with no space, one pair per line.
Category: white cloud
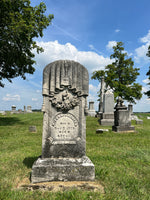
117,30
10,97
93,94
144,89
56,51
146,81
140,52
93,88
148,101
146,38
34,99
110,45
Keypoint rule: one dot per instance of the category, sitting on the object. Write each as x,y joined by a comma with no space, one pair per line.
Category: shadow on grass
9,121
29,161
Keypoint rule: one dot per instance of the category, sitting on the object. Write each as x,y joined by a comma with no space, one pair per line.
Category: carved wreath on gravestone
65,101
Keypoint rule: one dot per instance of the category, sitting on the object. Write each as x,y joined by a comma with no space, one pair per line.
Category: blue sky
85,31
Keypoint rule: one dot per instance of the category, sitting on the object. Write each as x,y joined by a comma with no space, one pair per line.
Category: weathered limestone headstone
122,118
91,111
65,91
107,117
29,109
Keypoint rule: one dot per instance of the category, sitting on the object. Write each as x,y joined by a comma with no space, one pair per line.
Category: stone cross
65,91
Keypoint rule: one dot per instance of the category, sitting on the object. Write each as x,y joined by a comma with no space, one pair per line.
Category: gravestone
107,117
2,112
122,121
32,129
65,91
13,109
91,111
19,110
130,109
101,130
131,114
139,121
29,109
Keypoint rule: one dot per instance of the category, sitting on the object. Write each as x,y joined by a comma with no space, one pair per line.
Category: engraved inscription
65,127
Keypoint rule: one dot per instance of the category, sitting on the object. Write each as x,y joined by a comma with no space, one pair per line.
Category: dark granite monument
122,118
65,91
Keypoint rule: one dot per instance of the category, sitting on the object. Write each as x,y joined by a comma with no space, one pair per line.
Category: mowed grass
122,160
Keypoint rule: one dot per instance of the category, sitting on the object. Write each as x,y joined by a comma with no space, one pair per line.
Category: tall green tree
148,74
20,23
120,76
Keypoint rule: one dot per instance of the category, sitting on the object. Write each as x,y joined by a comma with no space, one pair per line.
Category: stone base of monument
107,122
107,119
123,128
62,169
61,186
91,113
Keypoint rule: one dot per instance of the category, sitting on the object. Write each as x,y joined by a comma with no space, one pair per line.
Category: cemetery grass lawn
122,160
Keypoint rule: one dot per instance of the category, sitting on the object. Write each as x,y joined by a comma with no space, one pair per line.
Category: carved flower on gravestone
65,101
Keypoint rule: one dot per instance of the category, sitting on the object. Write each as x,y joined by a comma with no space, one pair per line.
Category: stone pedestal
63,169
107,119
65,91
122,118
91,111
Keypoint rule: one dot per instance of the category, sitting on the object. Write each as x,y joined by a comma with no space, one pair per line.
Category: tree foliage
19,24
148,74
120,76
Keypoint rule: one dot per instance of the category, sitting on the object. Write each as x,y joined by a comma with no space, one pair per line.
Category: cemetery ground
122,160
